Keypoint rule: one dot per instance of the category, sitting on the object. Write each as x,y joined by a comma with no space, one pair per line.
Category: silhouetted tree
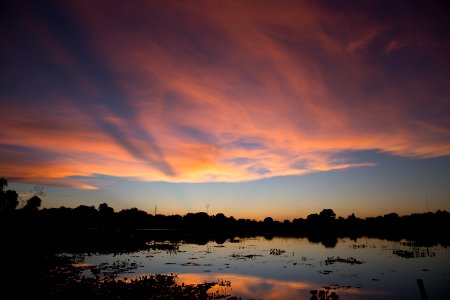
3,184
133,217
220,221
9,201
105,210
351,217
197,220
268,221
268,224
106,215
327,215
312,217
85,216
33,203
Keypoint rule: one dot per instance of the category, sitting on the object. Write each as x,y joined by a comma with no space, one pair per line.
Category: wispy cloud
223,91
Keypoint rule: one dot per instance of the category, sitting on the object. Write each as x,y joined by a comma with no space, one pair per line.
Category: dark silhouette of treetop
268,220
3,184
33,203
9,201
327,214
104,209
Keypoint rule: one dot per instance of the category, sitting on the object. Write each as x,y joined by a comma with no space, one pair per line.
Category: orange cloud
230,91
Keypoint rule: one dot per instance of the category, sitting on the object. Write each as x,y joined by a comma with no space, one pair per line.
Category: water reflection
289,268
253,287
413,250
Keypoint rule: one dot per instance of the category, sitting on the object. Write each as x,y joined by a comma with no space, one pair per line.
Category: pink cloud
223,91
393,46
361,43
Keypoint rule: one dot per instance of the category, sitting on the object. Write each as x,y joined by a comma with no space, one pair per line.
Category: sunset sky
255,108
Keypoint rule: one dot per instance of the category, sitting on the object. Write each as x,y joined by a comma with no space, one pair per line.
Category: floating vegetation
168,247
413,254
193,264
358,246
143,287
224,282
416,244
324,294
64,267
328,292
303,261
113,270
240,256
350,260
64,280
277,251
414,250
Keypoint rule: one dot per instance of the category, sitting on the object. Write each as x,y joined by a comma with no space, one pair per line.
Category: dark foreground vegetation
32,240
64,280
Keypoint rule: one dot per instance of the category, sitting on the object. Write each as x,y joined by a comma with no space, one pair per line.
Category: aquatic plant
64,280
143,287
359,246
169,247
276,251
241,256
350,260
413,254
324,294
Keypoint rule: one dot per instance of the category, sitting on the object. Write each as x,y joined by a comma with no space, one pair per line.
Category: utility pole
155,210
207,209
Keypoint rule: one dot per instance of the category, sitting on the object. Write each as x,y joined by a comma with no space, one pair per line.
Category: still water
289,268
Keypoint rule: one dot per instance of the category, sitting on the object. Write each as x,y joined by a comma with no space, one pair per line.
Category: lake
289,268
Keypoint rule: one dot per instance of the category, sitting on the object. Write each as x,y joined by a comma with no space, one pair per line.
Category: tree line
324,224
